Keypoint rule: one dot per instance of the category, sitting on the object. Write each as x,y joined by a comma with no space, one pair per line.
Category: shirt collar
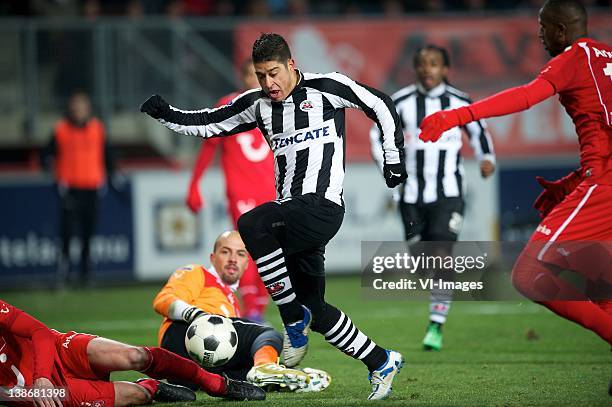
432,93
298,84
212,271
581,39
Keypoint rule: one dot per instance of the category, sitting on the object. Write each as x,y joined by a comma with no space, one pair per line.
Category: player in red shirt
248,165
73,369
576,209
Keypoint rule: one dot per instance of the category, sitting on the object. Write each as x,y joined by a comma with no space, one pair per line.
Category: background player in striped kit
302,116
248,167
431,200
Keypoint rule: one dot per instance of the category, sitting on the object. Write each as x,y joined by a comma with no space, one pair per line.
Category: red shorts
577,233
87,388
90,393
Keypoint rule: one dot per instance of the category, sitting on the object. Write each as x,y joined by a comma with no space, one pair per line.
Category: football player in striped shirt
302,115
431,201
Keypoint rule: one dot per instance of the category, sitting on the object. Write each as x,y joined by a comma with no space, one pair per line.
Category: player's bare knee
137,358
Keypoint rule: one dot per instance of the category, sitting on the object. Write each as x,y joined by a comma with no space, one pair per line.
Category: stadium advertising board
30,243
169,236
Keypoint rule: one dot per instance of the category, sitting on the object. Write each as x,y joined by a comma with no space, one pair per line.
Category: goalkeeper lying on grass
193,291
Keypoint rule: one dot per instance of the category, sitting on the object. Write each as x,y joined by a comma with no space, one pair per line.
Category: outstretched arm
175,298
226,120
509,101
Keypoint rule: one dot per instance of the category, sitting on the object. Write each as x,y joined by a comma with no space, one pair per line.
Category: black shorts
310,222
242,361
436,221
301,225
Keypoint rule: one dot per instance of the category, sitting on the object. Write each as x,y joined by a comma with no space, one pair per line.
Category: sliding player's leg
108,355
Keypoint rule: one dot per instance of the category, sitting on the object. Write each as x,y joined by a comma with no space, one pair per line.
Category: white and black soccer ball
211,340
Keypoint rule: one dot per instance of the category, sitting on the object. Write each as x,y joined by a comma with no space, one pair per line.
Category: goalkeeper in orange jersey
195,290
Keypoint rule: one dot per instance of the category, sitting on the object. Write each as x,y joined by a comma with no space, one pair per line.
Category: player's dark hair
270,47
567,11
432,47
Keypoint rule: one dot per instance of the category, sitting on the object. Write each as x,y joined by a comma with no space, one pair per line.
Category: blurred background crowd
259,8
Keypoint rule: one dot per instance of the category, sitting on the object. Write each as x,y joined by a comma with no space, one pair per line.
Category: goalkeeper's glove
192,313
394,174
555,191
155,106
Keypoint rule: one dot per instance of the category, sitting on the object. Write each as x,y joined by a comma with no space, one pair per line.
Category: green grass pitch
487,359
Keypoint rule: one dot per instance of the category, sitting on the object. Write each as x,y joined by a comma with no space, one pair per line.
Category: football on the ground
211,340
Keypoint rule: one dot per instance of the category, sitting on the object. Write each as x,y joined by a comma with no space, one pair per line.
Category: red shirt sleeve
511,100
21,324
561,70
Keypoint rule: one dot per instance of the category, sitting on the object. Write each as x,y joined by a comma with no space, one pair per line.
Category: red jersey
582,76
27,349
247,161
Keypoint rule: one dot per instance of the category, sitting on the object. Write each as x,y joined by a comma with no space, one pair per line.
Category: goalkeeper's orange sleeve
185,284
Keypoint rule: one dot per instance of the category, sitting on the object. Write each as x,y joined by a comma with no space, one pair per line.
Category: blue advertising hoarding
29,235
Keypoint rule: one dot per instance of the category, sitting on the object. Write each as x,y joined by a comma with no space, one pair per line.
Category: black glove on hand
190,314
394,174
155,106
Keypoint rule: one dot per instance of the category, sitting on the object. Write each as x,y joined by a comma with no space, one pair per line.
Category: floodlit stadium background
495,353
187,51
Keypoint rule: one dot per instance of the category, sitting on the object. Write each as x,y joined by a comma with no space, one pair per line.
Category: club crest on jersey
306,105
275,288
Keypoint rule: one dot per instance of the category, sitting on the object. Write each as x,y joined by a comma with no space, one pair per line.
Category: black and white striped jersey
435,170
306,131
